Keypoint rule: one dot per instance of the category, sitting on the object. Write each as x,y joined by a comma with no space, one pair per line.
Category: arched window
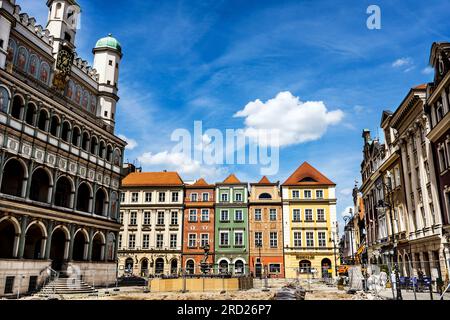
190,267
34,243
7,239
83,198
174,267
129,265
98,244
109,152
159,266
31,111
63,192
18,105
4,99
239,267
100,202
65,131
40,185
144,267
265,196
305,266
114,205
85,142
94,144
223,266
43,119
13,178
76,136
326,265
54,125
80,246
101,150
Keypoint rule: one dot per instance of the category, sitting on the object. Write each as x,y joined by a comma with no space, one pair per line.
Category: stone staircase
64,286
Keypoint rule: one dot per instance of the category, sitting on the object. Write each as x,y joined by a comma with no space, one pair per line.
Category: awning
361,250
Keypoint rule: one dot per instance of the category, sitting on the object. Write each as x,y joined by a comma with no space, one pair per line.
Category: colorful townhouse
198,225
231,227
309,217
151,214
266,229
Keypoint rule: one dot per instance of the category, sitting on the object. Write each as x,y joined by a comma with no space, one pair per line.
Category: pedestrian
420,280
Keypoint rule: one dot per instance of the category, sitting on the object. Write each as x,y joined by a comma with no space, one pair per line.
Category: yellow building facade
309,222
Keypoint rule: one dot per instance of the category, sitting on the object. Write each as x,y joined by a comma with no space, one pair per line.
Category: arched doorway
83,198
98,245
159,266
8,239
100,202
144,268
34,242
223,266
18,105
58,249
13,178
305,266
190,267
40,186
129,265
63,192
326,265
80,245
239,267
174,267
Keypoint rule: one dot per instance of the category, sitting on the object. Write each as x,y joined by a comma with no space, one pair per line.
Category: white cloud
402,62
346,191
184,165
295,121
131,143
428,70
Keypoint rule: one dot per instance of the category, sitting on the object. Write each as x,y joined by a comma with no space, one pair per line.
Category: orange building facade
198,225
266,230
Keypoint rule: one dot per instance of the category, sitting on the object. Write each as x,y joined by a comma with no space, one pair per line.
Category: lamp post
335,258
259,246
390,204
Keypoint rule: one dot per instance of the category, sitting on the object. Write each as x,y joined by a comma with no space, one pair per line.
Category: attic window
265,196
308,179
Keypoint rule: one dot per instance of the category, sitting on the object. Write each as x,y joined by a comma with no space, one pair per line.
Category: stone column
91,242
23,228
30,177
49,239
72,242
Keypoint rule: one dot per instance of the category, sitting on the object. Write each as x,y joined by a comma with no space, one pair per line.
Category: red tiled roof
420,87
307,175
152,179
231,179
265,182
200,183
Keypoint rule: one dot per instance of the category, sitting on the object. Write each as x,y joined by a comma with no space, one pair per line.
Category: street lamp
390,204
259,246
335,258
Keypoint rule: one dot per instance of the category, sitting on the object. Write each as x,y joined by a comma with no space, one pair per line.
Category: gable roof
231,179
200,183
136,179
307,175
265,182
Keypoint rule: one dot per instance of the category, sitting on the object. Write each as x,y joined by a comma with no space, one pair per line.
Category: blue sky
206,60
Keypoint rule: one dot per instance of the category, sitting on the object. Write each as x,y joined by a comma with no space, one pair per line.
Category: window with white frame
308,215
148,197
295,194
320,215
192,215
174,218
321,237
162,197
257,214
273,239
224,238
309,239
159,240
307,194
145,241
274,268
160,218
273,214
121,217
122,197
133,218
258,239
194,197
238,197
204,239
131,241
238,238
134,197
147,217
238,215
173,241
224,215
297,239
192,240
205,196
319,194
296,217
120,241
174,196
205,215
224,197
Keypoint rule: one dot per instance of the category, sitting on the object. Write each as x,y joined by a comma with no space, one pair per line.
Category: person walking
420,280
